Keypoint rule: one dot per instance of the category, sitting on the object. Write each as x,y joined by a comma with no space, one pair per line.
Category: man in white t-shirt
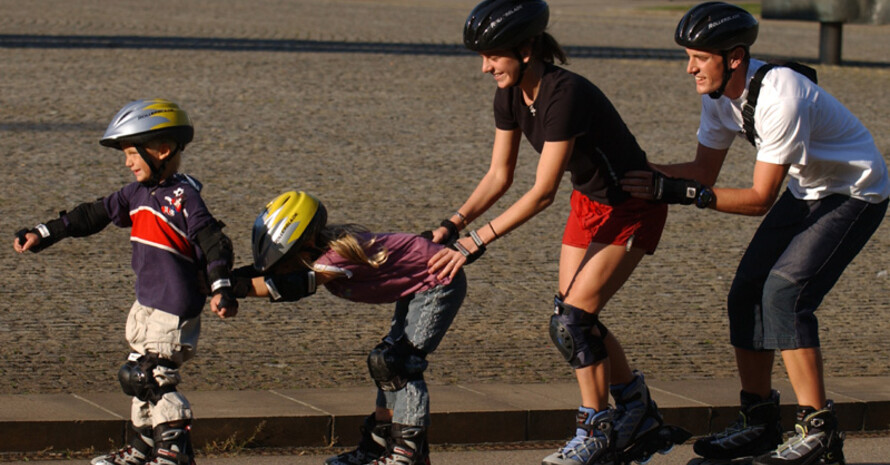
836,198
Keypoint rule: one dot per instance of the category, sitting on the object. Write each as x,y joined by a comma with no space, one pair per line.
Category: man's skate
756,432
639,430
817,441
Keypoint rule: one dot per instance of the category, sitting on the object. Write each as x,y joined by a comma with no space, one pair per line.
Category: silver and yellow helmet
285,225
144,120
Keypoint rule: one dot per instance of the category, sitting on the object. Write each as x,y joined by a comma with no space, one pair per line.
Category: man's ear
736,57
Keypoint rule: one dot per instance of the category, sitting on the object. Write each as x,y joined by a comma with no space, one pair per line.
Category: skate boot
173,446
817,440
134,453
639,430
373,444
409,447
592,442
757,431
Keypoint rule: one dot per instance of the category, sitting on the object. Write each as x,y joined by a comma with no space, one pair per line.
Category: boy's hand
224,304
25,240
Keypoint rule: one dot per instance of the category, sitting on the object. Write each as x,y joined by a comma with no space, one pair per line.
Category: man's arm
757,199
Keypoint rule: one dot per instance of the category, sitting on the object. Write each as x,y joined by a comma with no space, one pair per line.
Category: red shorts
637,221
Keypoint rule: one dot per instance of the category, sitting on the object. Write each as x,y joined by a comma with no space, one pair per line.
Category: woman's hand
448,261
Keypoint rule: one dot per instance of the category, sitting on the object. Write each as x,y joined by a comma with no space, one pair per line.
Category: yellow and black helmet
285,224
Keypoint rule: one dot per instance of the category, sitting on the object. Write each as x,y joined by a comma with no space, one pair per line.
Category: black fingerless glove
682,191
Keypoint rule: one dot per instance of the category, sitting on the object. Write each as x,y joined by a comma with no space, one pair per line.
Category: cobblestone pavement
373,106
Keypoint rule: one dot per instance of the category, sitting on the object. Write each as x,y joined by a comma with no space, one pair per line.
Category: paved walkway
462,414
373,106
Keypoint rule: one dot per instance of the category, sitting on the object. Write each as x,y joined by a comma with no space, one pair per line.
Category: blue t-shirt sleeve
118,206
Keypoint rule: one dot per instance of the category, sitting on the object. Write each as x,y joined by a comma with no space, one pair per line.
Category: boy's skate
757,431
173,446
817,440
639,430
592,442
373,444
409,447
136,452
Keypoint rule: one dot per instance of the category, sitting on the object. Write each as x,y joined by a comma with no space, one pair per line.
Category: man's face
706,68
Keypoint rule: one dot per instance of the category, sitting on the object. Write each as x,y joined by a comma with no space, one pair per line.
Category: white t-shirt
800,124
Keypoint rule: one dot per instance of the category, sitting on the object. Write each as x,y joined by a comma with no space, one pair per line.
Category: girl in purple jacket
295,251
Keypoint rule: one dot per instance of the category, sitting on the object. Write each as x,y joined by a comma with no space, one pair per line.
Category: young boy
174,239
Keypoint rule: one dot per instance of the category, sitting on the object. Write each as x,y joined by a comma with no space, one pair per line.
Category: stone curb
461,414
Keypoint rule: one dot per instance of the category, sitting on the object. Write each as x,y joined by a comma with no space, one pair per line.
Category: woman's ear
525,51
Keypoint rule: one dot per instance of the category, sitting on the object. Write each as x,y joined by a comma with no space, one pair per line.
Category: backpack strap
751,101
754,91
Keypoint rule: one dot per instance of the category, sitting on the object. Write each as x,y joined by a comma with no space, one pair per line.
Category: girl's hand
440,234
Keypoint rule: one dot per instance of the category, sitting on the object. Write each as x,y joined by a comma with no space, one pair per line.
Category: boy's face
137,164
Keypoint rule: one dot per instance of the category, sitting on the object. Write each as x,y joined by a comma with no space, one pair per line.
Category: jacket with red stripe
164,220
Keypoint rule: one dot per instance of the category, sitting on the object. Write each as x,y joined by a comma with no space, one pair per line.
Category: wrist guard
682,191
471,257
453,233
49,233
291,287
242,280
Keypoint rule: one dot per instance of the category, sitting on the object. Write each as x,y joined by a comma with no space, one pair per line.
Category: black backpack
754,91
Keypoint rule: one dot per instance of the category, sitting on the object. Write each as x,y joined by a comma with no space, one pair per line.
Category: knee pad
571,330
393,364
137,377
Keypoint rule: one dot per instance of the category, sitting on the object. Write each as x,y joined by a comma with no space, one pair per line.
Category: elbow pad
291,287
218,251
84,219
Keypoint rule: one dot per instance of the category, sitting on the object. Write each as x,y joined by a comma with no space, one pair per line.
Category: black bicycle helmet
716,26
504,24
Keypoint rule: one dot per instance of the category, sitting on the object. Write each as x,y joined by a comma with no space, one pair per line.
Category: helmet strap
727,71
727,74
156,171
523,66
